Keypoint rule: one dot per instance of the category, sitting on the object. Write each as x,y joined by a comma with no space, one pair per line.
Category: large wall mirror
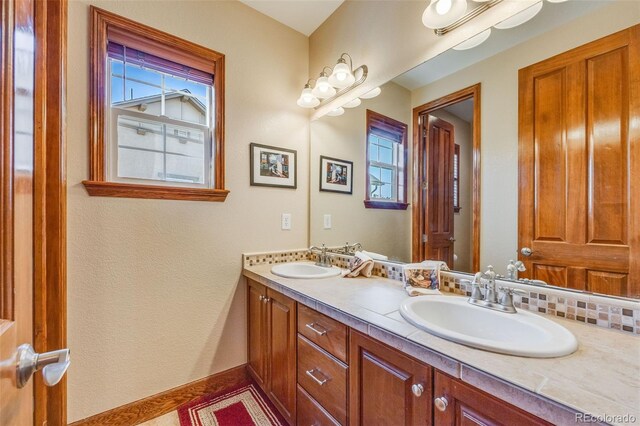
473,184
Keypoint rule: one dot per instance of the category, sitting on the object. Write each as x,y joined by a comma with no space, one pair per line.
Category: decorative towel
375,256
424,277
362,265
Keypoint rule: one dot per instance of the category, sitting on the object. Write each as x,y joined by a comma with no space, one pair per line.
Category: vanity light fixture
331,85
474,41
307,99
323,88
371,93
441,13
352,104
520,17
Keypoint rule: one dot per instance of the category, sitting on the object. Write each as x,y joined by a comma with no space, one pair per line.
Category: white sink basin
521,334
304,271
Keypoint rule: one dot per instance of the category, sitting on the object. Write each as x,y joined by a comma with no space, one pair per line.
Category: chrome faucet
513,268
324,258
490,297
351,248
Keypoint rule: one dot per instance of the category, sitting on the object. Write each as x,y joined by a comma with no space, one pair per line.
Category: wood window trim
391,125
105,24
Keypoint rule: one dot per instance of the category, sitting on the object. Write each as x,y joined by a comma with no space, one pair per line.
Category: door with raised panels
579,167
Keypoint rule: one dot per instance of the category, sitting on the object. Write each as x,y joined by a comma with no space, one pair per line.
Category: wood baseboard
164,402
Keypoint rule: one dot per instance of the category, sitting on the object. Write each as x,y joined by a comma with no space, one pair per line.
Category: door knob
53,365
441,403
417,389
526,251
452,239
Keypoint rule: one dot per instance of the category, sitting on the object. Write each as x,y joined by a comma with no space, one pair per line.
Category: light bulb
341,76
443,6
307,100
323,89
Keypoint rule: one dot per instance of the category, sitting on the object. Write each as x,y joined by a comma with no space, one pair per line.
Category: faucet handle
512,291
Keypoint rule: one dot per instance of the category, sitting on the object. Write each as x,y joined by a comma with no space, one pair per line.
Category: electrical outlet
327,221
286,221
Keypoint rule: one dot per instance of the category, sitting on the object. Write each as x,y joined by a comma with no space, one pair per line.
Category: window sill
126,190
371,204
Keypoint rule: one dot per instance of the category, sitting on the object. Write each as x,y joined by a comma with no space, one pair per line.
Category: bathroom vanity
336,351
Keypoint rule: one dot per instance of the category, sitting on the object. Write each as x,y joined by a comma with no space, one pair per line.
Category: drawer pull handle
417,389
311,374
441,403
319,332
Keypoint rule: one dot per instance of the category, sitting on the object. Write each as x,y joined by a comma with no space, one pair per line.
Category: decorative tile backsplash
600,311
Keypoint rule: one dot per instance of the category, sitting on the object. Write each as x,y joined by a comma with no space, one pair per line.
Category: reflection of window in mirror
157,103
456,179
386,163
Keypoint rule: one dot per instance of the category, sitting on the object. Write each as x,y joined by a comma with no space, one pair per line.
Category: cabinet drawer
310,413
324,378
325,332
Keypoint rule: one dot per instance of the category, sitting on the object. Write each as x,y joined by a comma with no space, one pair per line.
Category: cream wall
499,150
155,298
344,137
462,133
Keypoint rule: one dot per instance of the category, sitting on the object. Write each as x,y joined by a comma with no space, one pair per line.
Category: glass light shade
323,89
371,93
352,104
307,99
474,41
441,13
520,17
336,112
341,76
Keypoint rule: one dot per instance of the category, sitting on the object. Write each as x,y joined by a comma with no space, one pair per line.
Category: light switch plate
286,221
327,221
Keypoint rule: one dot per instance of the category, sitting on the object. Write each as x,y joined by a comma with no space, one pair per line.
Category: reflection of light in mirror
352,104
372,93
336,112
520,18
443,6
474,41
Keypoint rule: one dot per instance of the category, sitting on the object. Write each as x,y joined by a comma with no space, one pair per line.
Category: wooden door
579,175
468,406
282,353
380,383
16,197
257,330
438,210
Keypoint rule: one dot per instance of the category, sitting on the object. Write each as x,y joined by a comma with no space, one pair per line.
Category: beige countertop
601,378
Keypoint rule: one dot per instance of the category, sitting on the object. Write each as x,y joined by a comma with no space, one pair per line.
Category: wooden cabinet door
282,353
258,332
579,164
467,406
380,385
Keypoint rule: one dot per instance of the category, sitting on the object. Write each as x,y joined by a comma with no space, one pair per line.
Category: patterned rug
244,405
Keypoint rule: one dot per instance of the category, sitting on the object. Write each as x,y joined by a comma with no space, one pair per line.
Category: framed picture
272,166
336,175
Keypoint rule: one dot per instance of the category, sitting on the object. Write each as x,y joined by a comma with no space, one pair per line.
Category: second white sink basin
304,271
521,334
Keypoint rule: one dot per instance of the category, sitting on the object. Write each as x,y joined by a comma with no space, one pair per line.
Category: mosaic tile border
599,311
589,309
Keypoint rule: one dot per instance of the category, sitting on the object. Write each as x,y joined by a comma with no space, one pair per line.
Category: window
456,178
386,163
157,117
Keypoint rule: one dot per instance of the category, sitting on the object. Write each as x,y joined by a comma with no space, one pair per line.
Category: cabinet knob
261,298
441,403
417,389
265,300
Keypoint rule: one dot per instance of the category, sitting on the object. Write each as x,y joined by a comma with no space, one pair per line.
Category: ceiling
462,110
304,16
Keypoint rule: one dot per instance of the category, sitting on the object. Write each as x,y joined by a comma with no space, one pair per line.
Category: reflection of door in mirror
446,207
580,166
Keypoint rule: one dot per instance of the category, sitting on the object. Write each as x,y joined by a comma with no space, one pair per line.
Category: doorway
446,187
